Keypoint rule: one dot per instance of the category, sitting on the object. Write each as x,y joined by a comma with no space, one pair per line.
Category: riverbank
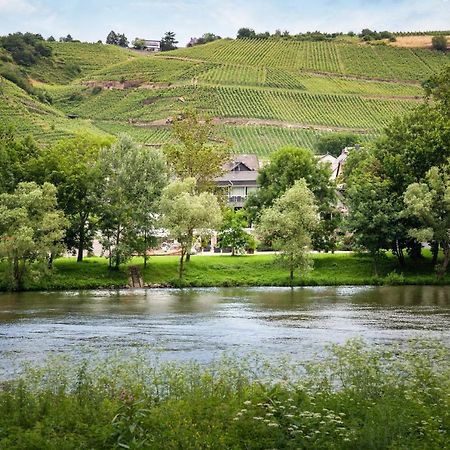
353,397
225,270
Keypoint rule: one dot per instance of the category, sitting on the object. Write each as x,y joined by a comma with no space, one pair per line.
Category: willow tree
184,212
289,223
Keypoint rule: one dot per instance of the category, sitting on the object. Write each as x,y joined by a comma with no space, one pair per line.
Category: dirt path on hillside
360,77
245,121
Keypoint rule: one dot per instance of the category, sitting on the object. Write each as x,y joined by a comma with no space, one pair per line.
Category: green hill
263,93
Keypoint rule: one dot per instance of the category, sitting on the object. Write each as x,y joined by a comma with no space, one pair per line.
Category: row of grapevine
146,69
333,110
280,78
318,109
261,140
382,61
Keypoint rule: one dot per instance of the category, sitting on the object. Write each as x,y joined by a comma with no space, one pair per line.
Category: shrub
439,43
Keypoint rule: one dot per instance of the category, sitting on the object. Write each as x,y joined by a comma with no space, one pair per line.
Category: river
200,324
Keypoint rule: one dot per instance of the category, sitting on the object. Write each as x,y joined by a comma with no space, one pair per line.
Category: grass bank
353,398
224,270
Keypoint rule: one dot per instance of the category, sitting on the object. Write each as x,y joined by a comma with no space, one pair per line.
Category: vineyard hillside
263,94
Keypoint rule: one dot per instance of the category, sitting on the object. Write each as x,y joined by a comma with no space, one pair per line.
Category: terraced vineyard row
279,78
145,135
147,69
29,117
365,60
261,140
318,109
327,110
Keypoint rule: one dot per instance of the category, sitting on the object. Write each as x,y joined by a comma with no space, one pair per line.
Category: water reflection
202,323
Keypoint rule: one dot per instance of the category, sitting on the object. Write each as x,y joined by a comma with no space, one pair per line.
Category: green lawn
224,270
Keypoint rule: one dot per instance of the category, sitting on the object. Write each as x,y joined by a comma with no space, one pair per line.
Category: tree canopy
31,228
289,224
185,212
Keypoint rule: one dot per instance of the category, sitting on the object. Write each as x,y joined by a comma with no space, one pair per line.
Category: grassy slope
29,116
224,270
315,84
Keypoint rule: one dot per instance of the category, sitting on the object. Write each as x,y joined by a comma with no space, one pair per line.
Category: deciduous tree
289,224
185,211
168,42
72,166
429,201
197,154
134,177
232,233
31,229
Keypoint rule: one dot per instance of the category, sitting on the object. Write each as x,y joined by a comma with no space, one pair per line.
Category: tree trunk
16,274
81,240
50,261
189,245
442,269
145,249
435,252
291,277
375,264
181,263
399,252
117,261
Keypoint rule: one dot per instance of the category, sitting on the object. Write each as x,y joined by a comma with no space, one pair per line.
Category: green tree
334,143
232,233
72,166
31,229
112,38
439,42
133,180
289,224
429,201
246,33
138,44
373,213
26,48
185,212
16,157
122,40
196,154
285,167
168,42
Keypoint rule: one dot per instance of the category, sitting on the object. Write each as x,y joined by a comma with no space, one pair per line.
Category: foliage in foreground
355,397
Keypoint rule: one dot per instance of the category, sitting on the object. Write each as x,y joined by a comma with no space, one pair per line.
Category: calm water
202,323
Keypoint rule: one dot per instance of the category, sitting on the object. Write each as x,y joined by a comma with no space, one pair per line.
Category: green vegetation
330,86
224,270
347,59
30,117
353,397
76,59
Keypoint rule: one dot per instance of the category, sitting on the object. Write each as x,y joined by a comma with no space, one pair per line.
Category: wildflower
247,402
257,418
273,424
